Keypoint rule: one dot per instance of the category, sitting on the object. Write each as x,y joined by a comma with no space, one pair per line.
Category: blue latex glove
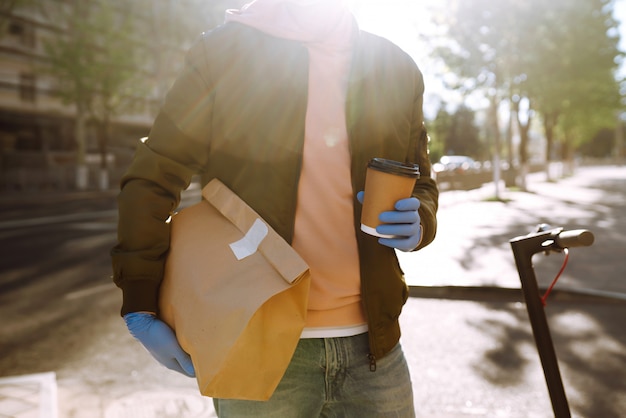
159,339
403,223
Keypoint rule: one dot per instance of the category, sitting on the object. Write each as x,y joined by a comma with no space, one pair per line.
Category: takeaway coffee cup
386,182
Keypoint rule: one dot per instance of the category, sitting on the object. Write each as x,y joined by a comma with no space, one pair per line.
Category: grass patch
496,199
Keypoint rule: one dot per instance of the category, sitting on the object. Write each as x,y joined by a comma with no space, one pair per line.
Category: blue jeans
331,378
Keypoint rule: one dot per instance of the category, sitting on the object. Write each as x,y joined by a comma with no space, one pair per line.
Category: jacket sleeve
426,189
162,168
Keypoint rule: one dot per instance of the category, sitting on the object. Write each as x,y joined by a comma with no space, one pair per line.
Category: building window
27,87
16,29
24,32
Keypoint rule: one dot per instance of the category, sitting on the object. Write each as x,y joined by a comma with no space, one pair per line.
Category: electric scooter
546,239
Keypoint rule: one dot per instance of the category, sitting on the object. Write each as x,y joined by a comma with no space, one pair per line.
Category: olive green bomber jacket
237,112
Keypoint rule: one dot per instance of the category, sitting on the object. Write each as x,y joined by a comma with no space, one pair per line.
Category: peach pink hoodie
324,232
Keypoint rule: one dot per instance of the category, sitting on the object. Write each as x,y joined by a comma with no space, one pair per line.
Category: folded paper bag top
236,295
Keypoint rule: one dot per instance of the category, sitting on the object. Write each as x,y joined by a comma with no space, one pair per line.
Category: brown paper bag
239,319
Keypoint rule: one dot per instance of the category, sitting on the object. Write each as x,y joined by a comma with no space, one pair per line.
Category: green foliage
463,138
93,57
109,55
574,74
561,55
437,130
601,145
456,133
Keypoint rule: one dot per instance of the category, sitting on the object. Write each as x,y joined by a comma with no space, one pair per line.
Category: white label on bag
250,242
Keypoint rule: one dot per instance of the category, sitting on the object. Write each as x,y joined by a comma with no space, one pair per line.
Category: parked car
456,164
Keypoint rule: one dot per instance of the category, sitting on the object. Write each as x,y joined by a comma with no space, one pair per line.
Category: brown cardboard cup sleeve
235,294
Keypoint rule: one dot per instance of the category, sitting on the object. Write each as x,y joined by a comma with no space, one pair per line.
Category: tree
109,55
571,73
523,115
601,145
92,59
168,29
463,137
117,80
483,51
438,130
559,56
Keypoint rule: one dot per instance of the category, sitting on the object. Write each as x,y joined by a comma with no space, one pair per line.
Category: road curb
506,294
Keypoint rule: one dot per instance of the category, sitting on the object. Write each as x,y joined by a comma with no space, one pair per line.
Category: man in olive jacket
242,110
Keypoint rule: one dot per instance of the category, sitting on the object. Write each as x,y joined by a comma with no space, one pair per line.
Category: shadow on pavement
489,351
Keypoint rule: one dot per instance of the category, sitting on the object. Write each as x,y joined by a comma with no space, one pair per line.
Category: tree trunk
568,156
495,127
549,123
510,175
82,172
524,128
103,141
618,151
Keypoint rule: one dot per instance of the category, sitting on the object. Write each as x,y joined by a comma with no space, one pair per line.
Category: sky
402,21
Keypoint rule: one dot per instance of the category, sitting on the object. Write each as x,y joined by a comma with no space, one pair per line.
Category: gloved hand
159,339
404,223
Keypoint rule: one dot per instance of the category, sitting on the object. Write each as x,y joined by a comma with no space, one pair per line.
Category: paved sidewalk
465,330
472,245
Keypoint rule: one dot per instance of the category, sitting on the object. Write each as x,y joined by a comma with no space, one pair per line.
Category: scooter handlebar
574,238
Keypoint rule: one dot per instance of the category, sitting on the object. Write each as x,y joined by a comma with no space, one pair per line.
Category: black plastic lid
395,167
